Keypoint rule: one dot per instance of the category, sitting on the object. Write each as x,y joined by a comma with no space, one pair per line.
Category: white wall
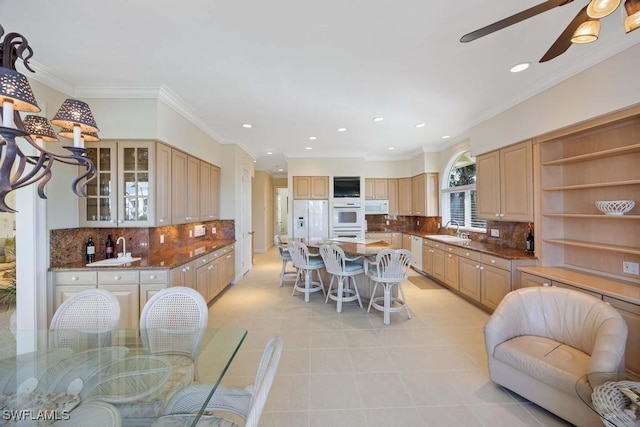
125,118
603,88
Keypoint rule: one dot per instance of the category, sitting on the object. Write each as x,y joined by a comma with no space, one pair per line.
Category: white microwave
376,207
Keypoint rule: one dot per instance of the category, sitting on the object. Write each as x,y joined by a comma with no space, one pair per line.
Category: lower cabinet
495,283
631,314
184,275
469,282
214,272
451,270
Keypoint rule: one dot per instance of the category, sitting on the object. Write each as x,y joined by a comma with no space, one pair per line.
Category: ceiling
299,69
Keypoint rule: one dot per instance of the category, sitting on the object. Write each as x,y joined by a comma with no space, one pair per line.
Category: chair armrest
608,350
353,259
190,399
502,325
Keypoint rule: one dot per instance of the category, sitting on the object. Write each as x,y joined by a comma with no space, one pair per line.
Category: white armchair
541,341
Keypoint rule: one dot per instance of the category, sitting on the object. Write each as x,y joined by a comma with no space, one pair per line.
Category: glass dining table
44,386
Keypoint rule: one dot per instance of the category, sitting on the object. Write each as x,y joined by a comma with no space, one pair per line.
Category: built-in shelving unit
577,167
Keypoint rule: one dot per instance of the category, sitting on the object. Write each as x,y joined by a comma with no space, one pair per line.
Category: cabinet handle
501,215
467,254
117,277
481,268
153,276
210,267
112,221
450,255
204,261
546,284
228,256
477,265
120,221
493,261
74,278
161,220
497,214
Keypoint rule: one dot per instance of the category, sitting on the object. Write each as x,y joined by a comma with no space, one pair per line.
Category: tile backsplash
68,245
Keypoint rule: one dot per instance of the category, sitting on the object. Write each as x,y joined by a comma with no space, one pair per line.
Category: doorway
281,214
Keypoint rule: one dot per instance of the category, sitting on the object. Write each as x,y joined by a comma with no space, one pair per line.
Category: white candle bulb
77,137
7,114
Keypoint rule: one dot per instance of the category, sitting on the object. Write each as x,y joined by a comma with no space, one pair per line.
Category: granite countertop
500,251
168,259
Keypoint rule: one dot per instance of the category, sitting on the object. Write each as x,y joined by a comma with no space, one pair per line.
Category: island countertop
168,259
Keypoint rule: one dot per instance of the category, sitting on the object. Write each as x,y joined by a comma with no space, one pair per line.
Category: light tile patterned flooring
349,369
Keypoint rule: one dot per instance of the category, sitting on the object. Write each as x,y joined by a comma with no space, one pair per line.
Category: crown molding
111,92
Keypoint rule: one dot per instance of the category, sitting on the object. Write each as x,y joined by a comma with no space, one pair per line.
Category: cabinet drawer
427,242
467,253
437,245
118,277
575,288
154,276
502,263
76,278
528,280
227,249
451,249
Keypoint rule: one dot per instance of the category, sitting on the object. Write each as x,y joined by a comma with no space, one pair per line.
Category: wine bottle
108,247
90,250
529,240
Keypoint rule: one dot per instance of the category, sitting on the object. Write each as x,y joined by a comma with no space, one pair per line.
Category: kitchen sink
446,238
112,262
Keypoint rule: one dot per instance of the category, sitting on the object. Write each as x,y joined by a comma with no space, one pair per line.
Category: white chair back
392,265
334,258
277,241
299,254
86,320
173,321
264,378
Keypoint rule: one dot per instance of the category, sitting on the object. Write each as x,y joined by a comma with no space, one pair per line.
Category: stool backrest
393,264
334,258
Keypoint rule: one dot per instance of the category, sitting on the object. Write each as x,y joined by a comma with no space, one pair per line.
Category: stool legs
342,290
387,299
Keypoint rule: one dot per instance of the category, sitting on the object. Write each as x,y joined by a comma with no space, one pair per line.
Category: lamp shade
75,113
14,87
39,127
632,21
587,32
600,8
87,136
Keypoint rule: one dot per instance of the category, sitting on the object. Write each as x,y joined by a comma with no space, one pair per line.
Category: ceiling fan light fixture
600,8
632,21
587,32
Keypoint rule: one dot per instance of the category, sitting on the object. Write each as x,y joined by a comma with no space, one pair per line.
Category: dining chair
342,268
391,268
92,413
285,257
308,263
173,321
247,402
86,320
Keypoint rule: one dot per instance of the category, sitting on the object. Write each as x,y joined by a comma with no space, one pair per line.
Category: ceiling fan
584,28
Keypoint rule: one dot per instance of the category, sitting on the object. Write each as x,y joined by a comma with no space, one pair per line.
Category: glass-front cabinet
123,193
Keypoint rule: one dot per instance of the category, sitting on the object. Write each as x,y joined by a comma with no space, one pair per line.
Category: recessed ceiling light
392,148
342,129
309,148
247,125
269,153
378,119
519,67
420,125
313,138
446,136
280,170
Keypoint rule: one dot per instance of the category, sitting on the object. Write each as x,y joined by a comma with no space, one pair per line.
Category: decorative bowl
615,207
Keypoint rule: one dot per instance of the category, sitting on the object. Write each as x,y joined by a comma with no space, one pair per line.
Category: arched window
459,198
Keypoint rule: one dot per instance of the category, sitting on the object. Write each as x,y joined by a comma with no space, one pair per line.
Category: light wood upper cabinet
424,194
311,187
163,184
393,191
376,189
209,192
505,183
185,187
404,196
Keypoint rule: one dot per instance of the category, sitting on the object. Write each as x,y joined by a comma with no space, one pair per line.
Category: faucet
124,246
456,223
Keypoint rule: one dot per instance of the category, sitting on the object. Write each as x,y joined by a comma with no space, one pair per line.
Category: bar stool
390,268
304,261
285,256
341,267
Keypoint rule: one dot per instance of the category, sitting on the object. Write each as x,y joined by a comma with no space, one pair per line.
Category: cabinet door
193,189
205,192
215,192
488,185
516,182
380,189
301,187
470,278
98,209
406,242
575,288
320,187
404,196
438,264
432,195
369,190
64,292
631,314
163,184
392,188
418,195
129,299
147,290
136,183
496,283
396,240
185,275
427,259
179,208
203,280
230,266
451,271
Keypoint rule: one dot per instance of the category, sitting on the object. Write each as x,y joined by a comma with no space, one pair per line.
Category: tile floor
349,369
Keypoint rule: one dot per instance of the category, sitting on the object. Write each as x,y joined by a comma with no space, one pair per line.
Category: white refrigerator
311,218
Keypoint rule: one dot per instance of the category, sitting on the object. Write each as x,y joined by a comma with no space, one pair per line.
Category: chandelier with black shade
17,169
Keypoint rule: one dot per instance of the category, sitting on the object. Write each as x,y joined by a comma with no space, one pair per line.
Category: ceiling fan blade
513,19
563,42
